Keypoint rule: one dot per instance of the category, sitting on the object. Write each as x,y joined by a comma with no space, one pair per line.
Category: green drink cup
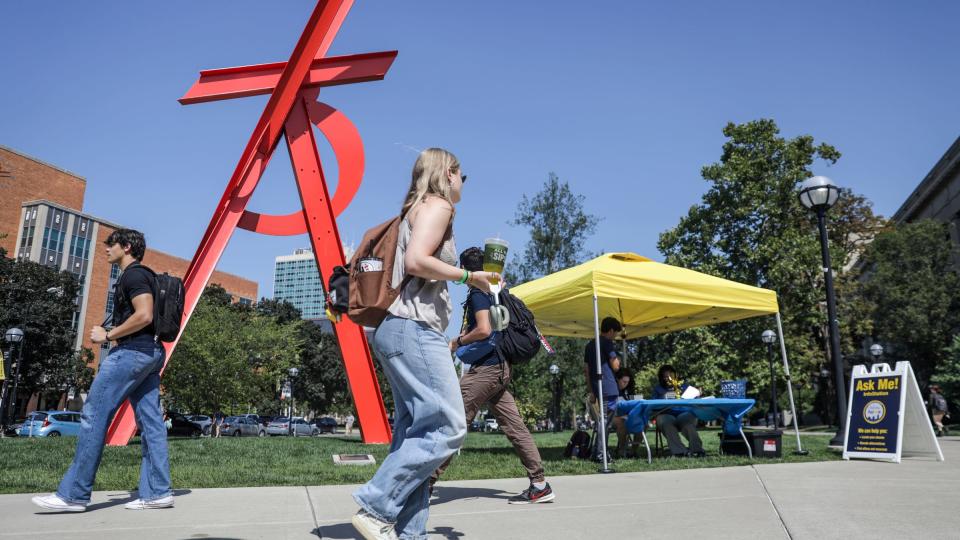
495,255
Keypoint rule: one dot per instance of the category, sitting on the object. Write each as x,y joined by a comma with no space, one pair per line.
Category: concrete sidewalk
860,499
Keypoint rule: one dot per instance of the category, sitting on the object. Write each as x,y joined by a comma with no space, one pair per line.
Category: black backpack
579,445
167,305
520,340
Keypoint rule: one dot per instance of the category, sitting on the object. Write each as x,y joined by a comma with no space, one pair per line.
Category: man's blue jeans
124,373
428,428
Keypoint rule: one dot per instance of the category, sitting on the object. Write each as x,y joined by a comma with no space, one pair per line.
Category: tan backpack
362,289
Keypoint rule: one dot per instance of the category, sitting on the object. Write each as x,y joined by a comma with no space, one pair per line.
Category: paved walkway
859,499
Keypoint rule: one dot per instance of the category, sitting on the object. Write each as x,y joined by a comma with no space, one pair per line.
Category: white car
491,425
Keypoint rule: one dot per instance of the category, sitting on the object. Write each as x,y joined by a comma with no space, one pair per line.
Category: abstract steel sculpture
290,111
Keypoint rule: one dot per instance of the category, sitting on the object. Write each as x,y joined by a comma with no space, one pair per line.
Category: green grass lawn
36,465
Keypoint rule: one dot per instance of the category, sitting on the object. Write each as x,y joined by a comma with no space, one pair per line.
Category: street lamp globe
876,350
768,336
818,192
14,335
554,369
293,372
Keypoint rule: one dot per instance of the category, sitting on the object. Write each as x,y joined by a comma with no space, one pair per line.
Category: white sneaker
140,504
54,502
372,528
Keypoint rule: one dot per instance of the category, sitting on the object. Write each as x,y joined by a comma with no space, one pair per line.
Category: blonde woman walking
411,345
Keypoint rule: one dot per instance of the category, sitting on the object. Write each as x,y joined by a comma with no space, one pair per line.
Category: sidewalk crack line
313,512
772,504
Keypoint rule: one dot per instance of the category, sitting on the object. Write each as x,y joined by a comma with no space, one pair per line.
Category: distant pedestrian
349,420
938,409
131,370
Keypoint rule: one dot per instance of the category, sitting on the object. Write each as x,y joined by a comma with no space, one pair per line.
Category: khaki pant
488,384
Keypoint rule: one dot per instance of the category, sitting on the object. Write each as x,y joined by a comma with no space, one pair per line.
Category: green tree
40,300
914,293
559,227
947,374
750,227
229,357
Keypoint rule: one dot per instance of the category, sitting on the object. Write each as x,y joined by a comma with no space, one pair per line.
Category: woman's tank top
423,300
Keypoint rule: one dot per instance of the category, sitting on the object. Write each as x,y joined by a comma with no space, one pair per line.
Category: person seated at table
627,388
672,422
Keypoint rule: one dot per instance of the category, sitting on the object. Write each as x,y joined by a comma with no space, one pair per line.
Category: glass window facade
54,234
297,280
29,229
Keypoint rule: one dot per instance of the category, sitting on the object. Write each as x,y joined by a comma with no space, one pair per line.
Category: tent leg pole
786,373
600,401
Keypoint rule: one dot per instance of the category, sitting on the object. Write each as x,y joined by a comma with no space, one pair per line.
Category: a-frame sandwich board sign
886,417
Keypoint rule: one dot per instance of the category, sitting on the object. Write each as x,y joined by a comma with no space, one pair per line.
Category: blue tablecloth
639,411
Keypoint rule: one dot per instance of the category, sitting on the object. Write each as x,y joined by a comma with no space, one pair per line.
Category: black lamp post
876,351
555,371
818,194
293,372
769,337
15,338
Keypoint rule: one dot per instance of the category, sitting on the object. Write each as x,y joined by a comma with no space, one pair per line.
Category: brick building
24,178
40,212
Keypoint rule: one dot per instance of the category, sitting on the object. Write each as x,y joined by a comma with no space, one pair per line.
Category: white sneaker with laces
140,504
372,528
54,502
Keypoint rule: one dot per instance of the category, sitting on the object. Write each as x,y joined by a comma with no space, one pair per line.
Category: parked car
325,424
239,426
255,417
281,426
264,420
50,424
202,421
491,424
181,426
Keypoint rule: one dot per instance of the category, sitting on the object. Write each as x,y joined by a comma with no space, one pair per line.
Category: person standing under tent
610,364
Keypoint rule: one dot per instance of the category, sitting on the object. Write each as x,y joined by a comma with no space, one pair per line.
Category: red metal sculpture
292,108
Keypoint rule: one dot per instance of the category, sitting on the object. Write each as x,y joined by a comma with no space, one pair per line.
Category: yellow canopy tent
647,297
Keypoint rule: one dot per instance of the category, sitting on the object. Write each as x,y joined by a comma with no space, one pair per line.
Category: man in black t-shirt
486,380
609,365
131,370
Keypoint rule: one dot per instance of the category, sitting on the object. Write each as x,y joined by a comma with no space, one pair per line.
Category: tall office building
296,280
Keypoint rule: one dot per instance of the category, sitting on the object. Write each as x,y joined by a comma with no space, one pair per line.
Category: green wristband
463,279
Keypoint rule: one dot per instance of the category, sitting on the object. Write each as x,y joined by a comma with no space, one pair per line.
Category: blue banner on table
875,414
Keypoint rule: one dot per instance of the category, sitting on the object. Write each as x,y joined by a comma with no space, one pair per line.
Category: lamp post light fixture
292,372
555,371
769,337
13,336
818,194
876,350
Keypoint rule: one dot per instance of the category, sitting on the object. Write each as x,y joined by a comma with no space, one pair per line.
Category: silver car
281,426
202,421
240,426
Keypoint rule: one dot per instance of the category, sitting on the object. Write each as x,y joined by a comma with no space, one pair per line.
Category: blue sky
624,100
